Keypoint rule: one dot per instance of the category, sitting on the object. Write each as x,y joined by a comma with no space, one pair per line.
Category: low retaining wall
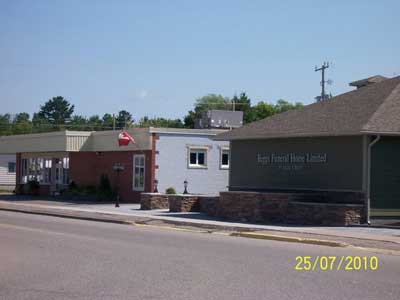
270,207
252,207
183,203
150,201
292,208
179,202
331,214
208,205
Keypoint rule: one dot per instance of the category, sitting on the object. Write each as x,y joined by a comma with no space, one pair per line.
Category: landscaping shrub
89,190
72,188
33,187
105,191
170,191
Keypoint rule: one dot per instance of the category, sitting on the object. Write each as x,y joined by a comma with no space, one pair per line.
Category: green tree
56,111
21,117
94,123
262,110
160,122
40,124
124,119
78,123
107,122
189,119
22,124
283,105
243,103
210,101
5,124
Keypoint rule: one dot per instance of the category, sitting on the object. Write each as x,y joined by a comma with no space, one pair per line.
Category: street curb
60,215
141,224
202,228
376,250
289,239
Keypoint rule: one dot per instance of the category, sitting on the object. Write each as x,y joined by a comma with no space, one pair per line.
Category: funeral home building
349,144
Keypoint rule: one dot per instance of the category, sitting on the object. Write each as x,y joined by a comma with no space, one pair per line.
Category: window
65,168
41,169
46,170
24,170
32,169
224,160
11,167
197,158
138,172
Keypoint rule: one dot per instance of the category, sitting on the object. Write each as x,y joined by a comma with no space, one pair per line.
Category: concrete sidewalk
131,214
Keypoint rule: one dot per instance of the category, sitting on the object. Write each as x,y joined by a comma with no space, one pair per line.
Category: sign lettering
291,158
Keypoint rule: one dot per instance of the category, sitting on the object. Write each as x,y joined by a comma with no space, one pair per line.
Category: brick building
56,159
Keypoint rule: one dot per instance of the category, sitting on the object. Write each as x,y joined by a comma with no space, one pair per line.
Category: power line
324,66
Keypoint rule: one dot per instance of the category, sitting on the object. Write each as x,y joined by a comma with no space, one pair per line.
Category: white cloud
142,94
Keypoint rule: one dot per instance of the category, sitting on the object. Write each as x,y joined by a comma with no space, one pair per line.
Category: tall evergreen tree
56,111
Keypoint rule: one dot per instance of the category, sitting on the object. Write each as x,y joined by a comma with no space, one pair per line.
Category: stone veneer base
266,207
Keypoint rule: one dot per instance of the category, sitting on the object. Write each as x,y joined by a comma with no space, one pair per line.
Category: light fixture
155,186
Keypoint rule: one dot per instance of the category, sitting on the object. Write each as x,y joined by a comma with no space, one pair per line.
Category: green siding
385,174
343,170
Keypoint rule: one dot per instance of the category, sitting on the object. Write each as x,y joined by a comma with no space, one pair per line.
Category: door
138,172
58,174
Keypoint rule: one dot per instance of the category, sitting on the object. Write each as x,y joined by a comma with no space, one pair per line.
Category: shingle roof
366,81
374,108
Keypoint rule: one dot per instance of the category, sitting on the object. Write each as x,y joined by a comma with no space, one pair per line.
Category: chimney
367,81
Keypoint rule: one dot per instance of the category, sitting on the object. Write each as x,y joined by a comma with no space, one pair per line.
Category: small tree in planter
105,191
33,187
170,191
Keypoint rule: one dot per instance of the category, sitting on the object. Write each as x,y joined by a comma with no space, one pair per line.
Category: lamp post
185,184
118,167
155,186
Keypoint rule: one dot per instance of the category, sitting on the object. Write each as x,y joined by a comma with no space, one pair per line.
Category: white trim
197,150
221,152
8,168
139,189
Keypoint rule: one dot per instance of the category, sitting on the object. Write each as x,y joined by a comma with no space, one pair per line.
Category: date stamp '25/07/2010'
336,263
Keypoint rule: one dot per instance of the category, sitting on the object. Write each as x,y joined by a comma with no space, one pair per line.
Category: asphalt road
53,258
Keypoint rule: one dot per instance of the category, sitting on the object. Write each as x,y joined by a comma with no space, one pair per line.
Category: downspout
378,137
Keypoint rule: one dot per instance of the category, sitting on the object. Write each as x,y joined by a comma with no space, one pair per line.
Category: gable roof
374,108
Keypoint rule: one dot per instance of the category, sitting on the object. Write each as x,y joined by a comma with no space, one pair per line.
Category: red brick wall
86,168
18,169
18,173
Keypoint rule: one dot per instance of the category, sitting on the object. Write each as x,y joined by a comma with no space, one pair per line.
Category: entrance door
138,172
385,177
58,175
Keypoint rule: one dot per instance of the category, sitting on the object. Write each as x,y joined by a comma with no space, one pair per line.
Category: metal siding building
172,161
7,171
220,119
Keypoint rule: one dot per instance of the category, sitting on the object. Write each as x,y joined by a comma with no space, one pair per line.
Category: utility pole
113,121
324,66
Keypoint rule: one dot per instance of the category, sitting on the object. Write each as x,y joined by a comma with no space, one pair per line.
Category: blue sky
156,57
